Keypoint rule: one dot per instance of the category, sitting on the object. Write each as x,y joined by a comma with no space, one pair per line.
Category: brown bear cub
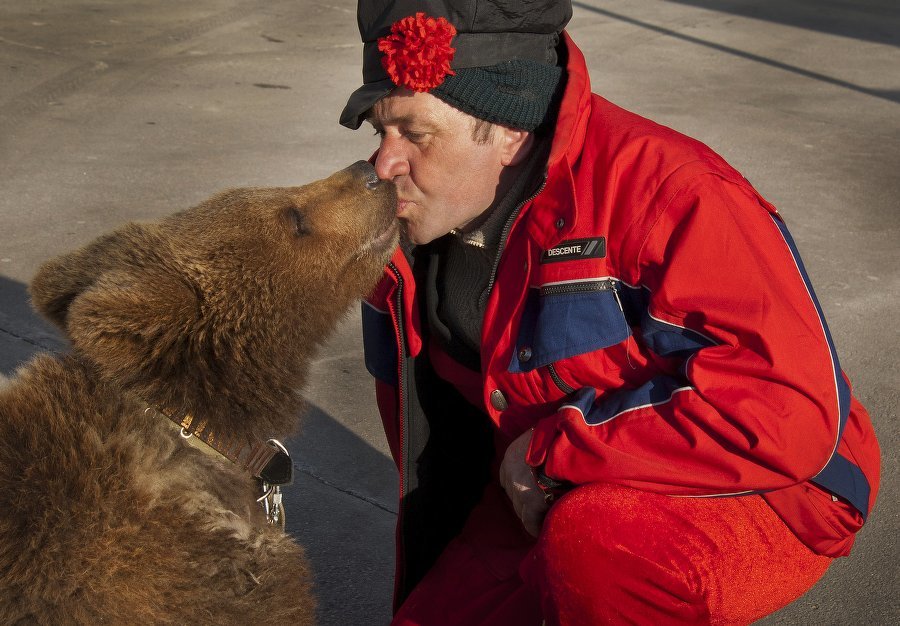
107,515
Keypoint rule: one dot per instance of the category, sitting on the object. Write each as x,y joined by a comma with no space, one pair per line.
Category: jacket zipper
582,286
504,235
565,387
403,409
585,286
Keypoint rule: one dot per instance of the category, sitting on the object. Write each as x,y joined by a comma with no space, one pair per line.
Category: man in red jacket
604,376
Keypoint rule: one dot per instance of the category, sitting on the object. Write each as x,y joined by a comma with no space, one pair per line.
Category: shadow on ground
341,508
23,333
869,20
874,22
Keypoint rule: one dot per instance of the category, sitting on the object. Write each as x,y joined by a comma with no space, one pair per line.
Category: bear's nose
366,171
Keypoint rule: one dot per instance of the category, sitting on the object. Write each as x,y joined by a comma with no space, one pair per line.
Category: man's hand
518,481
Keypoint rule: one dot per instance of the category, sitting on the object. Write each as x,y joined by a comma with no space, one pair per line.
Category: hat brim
362,100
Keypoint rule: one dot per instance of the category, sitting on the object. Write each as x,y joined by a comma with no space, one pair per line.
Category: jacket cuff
548,430
542,438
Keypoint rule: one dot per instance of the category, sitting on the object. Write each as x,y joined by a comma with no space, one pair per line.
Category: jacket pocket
564,320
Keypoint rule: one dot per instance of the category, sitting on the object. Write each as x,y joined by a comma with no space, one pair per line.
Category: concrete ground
116,110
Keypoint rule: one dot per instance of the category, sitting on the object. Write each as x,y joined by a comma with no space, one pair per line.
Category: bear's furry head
216,311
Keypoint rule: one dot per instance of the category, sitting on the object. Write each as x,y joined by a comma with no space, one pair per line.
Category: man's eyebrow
407,120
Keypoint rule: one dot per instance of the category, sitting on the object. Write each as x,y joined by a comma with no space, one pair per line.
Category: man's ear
59,281
515,145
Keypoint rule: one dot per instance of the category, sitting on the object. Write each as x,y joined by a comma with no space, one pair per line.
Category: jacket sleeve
756,401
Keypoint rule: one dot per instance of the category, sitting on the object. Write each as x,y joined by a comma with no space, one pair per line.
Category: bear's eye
297,222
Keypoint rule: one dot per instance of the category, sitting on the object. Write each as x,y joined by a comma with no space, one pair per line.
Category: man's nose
391,161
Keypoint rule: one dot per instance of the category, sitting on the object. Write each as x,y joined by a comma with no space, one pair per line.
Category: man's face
444,177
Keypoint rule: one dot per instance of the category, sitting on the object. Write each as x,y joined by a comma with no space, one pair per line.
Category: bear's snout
366,171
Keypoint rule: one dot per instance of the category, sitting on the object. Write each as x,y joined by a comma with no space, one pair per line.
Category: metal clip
272,504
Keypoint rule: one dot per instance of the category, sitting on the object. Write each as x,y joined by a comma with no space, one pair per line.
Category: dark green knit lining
515,93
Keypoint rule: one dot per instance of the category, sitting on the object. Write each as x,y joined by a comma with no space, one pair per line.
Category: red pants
613,555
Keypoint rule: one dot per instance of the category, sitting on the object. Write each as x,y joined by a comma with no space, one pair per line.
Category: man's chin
409,236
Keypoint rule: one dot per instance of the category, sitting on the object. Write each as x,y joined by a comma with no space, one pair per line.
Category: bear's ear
135,326
59,281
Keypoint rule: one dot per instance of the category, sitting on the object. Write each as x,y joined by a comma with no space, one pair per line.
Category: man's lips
401,206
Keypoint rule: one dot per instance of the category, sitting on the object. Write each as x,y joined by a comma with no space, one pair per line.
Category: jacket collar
559,209
575,108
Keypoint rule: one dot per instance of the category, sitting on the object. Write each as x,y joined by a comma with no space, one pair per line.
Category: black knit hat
503,67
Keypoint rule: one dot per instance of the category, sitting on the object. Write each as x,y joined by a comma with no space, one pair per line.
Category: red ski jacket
651,320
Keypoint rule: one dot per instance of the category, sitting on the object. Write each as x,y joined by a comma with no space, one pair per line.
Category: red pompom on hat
417,52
